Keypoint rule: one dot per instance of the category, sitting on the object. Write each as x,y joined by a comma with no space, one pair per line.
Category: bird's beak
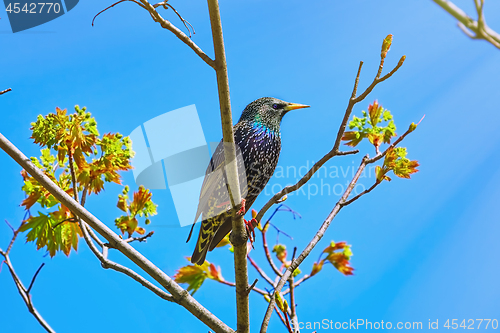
293,106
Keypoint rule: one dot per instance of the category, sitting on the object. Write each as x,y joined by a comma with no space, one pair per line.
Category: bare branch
179,295
10,226
257,290
348,202
261,272
293,311
34,277
297,283
317,237
252,286
178,33
108,264
187,25
338,206
140,239
335,150
281,317
14,236
25,295
167,25
109,7
478,28
5,91
275,268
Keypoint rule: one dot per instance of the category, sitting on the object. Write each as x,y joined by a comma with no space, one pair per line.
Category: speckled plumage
258,137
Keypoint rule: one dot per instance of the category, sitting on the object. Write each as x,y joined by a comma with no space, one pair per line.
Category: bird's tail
198,257
203,243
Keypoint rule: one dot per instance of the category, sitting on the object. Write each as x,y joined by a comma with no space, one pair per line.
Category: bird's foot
250,226
243,209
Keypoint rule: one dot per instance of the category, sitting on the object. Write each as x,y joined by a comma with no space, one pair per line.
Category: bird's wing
214,178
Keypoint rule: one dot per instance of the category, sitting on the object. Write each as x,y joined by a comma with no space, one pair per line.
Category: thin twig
116,3
166,5
261,272
348,202
252,286
71,219
275,268
288,326
280,315
479,28
293,314
140,239
34,277
25,293
232,284
108,264
178,33
14,236
10,226
5,91
169,26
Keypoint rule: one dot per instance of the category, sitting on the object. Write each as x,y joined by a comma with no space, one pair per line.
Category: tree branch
14,236
178,33
167,25
34,278
250,288
25,293
293,311
338,206
179,295
140,239
478,28
239,235
317,237
275,268
348,202
5,91
105,263
335,150
108,264
298,283
261,272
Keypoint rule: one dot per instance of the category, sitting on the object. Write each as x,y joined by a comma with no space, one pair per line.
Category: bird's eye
275,106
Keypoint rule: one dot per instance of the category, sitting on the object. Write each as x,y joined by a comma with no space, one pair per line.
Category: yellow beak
294,106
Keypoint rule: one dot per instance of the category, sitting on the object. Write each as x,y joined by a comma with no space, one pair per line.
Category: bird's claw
243,209
250,226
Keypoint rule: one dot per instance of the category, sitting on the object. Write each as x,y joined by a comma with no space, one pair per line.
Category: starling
258,138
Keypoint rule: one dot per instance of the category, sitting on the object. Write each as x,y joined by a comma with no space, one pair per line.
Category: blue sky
424,249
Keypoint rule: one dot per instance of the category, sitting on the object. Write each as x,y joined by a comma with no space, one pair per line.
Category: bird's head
268,111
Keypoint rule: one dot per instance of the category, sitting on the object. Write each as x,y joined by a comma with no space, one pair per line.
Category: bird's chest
260,149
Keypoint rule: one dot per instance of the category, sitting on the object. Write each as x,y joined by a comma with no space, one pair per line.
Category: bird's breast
260,149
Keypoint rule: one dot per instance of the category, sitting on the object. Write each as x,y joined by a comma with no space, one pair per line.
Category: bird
257,139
